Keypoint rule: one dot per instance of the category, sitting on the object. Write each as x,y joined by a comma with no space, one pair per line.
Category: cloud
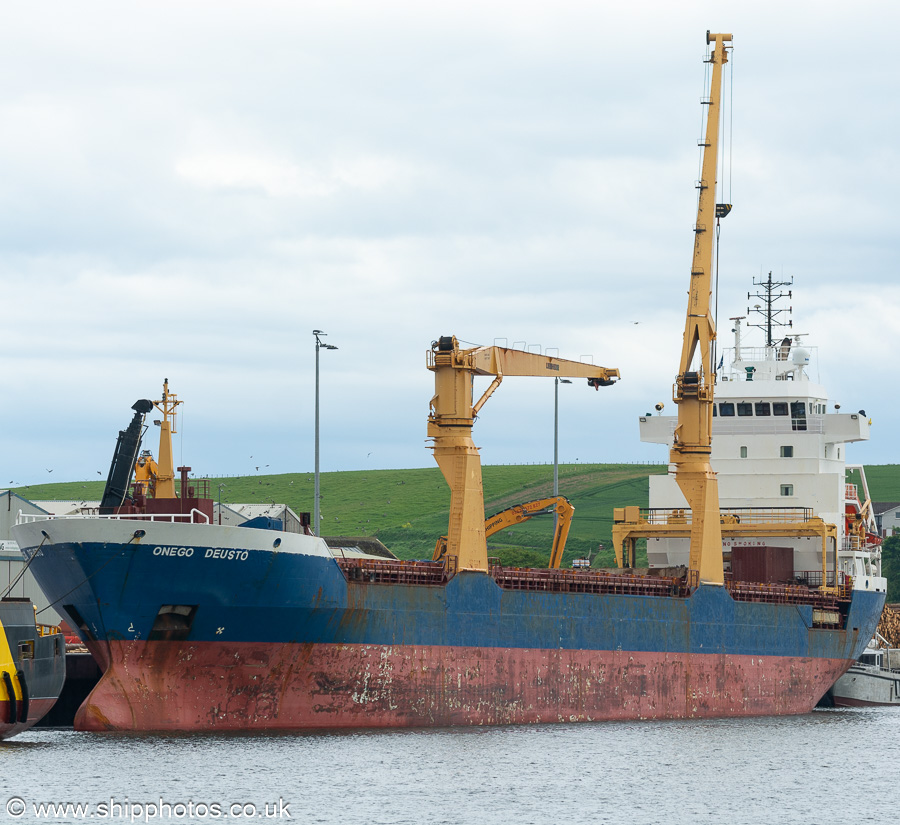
285,179
188,190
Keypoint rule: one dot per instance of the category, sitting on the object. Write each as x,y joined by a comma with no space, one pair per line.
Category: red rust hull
213,686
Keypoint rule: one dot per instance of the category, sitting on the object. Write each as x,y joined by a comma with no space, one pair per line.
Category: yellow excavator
450,428
559,506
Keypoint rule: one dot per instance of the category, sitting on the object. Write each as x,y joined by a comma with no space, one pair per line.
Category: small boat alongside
874,680
32,666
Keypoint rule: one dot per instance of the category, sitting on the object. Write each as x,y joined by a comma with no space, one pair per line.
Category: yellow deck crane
559,506
452,415
695,383
146,472
693,392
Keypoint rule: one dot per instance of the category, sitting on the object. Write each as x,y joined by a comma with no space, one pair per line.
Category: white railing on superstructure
761,425
766,425
766,353
177,518
731,515
736,371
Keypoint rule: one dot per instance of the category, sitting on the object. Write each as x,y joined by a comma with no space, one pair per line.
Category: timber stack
889,626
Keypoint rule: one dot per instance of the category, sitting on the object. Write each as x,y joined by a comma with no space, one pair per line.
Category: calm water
835,766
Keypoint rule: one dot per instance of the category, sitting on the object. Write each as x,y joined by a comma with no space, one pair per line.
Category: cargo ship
32,666
200,626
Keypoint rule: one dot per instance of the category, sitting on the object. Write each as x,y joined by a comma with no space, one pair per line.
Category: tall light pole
317,333
556,383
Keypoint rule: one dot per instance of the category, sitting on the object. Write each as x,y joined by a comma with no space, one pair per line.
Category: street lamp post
317,333
556,383
220,502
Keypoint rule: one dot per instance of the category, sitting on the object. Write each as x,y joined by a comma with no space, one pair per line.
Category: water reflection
784,769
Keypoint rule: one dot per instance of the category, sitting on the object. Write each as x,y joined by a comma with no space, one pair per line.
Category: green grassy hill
408,509
884,481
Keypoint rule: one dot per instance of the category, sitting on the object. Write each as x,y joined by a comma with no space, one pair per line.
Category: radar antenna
769,294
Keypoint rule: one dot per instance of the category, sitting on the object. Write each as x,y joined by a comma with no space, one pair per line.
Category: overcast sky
188,189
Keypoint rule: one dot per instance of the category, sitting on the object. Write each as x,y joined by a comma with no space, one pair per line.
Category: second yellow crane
453,415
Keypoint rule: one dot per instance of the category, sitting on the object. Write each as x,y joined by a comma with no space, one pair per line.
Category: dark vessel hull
34,669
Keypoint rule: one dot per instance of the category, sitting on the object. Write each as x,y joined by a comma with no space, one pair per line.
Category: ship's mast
769,295
165,483
695,381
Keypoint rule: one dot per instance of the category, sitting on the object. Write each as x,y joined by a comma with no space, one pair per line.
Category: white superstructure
776,446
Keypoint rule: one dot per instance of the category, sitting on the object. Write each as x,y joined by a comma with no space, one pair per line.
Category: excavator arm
452,416
519,513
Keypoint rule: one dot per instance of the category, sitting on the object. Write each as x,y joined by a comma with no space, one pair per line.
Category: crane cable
718,219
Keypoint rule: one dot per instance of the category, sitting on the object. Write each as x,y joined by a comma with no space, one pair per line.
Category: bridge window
744,408
798,415
779,408
763,408
726,408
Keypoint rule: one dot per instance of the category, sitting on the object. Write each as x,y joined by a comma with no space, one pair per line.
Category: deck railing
829,605
48,629
193,516
587,581
393,571
739,515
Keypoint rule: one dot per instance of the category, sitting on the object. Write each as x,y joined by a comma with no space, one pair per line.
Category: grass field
408,509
